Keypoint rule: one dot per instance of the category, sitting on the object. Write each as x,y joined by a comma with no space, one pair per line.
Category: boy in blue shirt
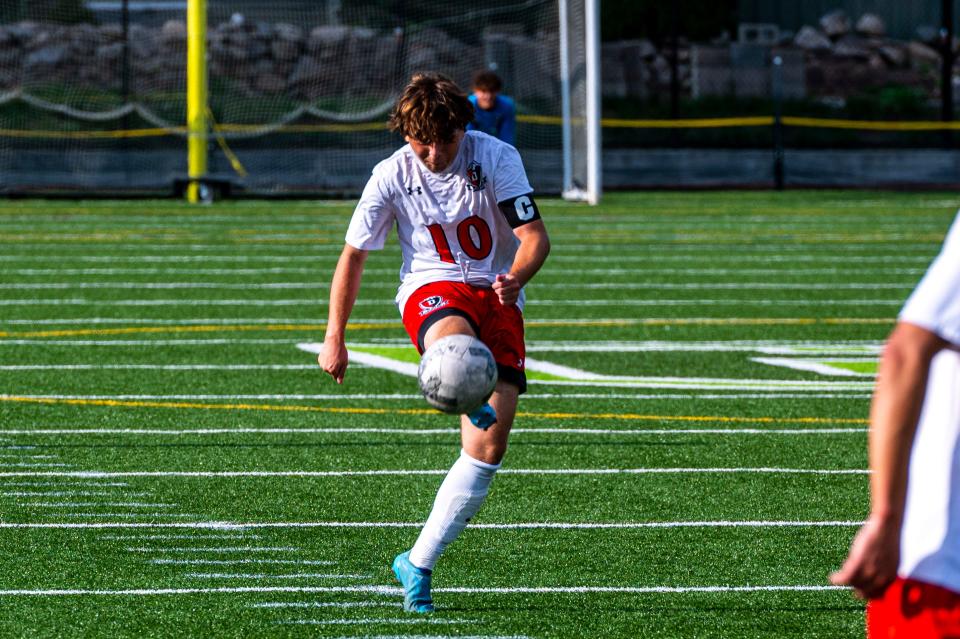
495,114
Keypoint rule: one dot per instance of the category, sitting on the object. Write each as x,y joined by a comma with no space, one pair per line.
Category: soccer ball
457,374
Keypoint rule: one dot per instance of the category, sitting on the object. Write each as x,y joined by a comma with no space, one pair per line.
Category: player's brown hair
432,108
487,81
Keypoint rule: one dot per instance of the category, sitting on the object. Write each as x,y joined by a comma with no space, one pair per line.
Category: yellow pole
196,96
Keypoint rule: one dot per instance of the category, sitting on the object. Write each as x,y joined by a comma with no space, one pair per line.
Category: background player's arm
531,254
343,294
901,386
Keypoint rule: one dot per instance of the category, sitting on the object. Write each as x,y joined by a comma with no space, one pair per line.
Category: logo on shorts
432,303
476,180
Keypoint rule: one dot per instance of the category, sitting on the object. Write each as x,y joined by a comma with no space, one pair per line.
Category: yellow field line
90,135
371,326
552,120
425,411
868,125
689,123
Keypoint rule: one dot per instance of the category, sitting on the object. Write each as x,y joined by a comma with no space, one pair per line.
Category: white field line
214,549
532,395
142,342
193,537
158,432
63,493
677,254
243,526
123,515
404,621
159,321
303,575
655,345
238,562
860,348
269,286
810,366
554,271
325,604
388,303
159,367
110,504
773,348
28,456
225,474
62,484
580,377
312,251
392,590
715,302
32,465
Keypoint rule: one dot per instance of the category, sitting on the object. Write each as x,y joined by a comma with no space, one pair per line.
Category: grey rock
284,50
809,39
173,30
23,32
288,33
871,24
308,70
921,54
110,53
835,24
851,47
112,32
894,56
46,57
326,36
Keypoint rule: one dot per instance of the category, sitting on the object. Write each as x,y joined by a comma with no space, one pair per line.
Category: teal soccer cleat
415,582
484,417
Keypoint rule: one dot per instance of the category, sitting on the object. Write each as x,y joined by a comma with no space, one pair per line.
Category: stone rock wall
835,59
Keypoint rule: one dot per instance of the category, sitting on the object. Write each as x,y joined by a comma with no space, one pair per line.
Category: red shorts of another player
911,609
499,327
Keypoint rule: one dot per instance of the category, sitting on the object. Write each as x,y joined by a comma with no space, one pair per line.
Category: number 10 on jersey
474,237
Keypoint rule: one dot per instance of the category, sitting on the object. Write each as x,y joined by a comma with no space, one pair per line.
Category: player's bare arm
531,254
901,385
343,294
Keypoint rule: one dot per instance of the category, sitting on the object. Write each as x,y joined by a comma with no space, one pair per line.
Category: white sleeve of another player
373,217
509,177
935,303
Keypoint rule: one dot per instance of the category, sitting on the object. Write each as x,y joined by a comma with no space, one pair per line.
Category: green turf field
689,462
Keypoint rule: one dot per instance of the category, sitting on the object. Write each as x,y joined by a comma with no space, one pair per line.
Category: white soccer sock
460,496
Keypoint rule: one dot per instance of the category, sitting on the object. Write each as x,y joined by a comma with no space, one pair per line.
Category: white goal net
93,94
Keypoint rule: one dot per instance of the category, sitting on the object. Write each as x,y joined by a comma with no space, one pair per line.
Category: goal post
580,99
197,101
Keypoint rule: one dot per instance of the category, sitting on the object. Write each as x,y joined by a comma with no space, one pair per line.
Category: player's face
436,156
485,99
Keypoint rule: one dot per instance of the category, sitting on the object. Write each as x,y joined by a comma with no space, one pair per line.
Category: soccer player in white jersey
906,558
471,237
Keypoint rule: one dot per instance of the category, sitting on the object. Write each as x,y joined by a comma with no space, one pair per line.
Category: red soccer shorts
499,327
911,609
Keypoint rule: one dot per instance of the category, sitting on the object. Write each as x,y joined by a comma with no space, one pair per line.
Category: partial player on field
906,558
471,237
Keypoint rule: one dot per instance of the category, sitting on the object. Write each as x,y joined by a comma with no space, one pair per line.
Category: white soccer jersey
449,225
930,540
